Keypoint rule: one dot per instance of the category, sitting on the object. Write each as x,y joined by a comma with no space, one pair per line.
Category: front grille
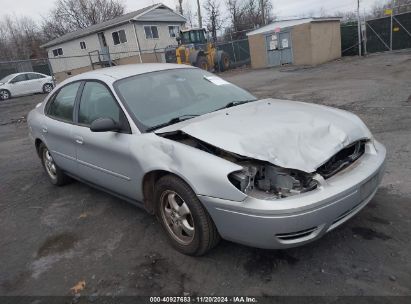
342,159
292,236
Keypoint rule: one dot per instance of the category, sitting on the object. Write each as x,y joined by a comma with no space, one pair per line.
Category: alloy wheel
48,88
4,95
49,164
177,217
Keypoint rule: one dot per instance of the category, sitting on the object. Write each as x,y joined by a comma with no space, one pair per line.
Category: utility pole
359,27
200,21
262,11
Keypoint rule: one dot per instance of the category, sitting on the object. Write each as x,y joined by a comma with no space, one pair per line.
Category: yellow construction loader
194,49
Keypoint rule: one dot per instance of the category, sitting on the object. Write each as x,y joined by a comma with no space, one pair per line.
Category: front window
58,52
156,98
119,37
151,32
19,78
97,102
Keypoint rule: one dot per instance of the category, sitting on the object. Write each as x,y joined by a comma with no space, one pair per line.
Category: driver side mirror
104,125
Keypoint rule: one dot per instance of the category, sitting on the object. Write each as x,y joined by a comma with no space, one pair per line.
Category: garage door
279,49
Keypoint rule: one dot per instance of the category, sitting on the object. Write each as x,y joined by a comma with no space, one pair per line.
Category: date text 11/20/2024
203,299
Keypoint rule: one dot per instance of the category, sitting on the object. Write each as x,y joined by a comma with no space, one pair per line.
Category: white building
135,37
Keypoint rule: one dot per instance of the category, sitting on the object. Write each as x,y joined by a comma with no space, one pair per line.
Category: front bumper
293,221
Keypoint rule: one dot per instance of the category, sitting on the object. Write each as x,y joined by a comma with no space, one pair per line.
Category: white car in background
24,84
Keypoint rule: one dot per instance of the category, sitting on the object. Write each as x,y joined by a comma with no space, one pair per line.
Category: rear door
35,82
58,127
103,158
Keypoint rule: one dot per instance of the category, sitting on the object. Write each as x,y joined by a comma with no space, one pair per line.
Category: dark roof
106,24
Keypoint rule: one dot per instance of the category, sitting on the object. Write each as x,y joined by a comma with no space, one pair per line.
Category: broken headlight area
262,180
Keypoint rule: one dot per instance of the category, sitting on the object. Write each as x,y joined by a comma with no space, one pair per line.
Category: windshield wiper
172,121
236,103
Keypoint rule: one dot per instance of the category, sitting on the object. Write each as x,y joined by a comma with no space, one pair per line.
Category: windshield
7,78
194,36
156,98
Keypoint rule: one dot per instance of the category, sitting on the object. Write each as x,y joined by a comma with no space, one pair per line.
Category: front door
18,85
103,46
103,158
279,49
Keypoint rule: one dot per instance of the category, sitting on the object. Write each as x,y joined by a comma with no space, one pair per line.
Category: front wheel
187,224
202,63
4,95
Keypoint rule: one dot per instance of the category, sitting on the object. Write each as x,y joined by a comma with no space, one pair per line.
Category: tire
202,63
224,62
204,235
4,95
47,88
54,173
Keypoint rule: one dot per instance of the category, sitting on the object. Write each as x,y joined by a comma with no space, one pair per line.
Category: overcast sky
282,8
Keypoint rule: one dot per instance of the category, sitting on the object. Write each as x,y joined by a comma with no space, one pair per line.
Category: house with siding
135,37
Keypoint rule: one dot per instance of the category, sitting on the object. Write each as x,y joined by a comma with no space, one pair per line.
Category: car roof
112,74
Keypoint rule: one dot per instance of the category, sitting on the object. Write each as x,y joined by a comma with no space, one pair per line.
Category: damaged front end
263,180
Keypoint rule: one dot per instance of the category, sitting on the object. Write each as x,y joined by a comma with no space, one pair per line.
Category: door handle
79,140
44,129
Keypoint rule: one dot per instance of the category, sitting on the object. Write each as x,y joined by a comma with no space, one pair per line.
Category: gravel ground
53,237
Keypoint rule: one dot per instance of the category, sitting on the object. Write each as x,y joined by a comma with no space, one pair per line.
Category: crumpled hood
288,134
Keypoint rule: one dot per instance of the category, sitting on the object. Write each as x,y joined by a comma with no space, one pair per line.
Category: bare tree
189,14
71,15
20,38
213,17
247,14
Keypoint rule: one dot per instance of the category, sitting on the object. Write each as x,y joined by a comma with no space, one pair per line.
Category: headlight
263,180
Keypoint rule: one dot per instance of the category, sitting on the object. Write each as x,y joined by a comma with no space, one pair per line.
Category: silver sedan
207,157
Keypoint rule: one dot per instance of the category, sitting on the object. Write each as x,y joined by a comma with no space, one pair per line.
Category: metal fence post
391,21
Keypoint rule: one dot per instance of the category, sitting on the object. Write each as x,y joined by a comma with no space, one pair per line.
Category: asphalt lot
53,237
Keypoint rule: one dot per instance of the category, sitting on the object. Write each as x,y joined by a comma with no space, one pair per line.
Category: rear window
61,107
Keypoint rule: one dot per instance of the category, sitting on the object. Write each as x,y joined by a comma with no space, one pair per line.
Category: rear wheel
47,88
202,63
54,173
187,224
4,95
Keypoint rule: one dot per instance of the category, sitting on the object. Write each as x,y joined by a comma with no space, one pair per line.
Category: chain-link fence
378,35
238,50
31,65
